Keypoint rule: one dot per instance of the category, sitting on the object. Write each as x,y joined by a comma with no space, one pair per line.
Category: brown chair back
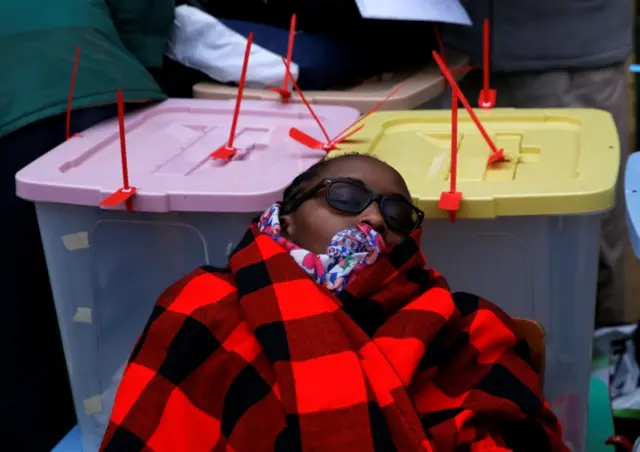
534,334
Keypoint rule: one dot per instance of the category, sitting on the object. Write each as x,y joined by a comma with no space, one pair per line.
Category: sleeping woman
326,333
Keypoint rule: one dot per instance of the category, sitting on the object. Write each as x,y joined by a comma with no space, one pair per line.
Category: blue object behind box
632,198
70,443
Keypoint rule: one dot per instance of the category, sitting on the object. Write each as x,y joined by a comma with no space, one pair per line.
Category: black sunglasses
352,196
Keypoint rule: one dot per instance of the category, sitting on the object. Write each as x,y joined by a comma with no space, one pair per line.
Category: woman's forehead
375,173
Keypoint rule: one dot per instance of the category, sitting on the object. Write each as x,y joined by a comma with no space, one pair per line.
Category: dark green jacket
38,41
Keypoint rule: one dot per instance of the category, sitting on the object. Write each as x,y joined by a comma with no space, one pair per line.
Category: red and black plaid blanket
257,357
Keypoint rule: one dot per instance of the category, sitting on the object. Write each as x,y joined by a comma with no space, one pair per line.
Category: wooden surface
533,333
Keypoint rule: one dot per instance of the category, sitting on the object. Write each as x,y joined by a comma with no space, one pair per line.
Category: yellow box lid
561,161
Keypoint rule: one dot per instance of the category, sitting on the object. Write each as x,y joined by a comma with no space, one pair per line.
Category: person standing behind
38,41
568,53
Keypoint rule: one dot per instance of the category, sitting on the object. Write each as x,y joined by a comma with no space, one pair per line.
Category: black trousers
36,408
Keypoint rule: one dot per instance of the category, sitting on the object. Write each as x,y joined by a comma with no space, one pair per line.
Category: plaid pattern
258,357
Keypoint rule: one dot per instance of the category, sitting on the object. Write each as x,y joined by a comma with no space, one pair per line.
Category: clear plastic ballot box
526,233
107,267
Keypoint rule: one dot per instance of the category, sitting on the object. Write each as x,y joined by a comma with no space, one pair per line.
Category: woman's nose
373,217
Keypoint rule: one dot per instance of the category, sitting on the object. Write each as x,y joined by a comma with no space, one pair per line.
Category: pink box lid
168,153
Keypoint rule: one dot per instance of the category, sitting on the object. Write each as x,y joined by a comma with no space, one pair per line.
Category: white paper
449,11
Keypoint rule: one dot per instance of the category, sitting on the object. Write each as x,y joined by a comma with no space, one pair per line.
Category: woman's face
313,224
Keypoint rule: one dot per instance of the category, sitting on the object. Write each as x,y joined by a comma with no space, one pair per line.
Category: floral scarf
349,251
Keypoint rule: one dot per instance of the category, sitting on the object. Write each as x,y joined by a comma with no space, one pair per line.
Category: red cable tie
285,92
451,200
342,136
487,98
454,143
126,192
292,34
227,151
306,103
71,90
436,31
331,143
496,154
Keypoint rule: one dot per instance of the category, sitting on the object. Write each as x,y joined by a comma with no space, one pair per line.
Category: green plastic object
599,417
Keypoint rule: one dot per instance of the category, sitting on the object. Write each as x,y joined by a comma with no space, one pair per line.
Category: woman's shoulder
478,316
203,287
466,322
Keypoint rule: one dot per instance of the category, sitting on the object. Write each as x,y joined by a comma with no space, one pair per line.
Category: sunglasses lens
400,215
348,198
